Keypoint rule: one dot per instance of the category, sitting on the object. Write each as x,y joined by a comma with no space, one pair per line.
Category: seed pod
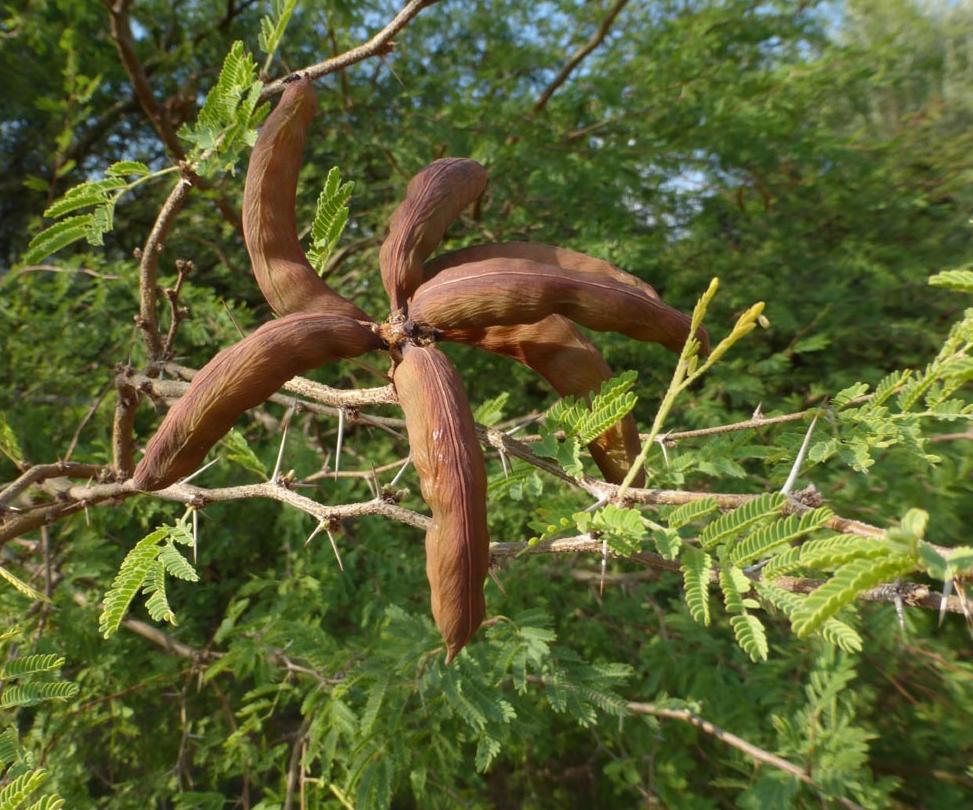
545,254
449,461
498,292
434,199
286,279
556,350
241,377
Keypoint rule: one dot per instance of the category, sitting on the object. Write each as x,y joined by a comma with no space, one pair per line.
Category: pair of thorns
518,299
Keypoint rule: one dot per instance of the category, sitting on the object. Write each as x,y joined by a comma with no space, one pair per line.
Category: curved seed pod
449,461
498,292
434,198
240,377
571,363
545,254
286,279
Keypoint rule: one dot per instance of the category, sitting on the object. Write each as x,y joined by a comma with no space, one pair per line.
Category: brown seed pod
241,377
286,279
498,292
449,461
537,252
555,349
434,199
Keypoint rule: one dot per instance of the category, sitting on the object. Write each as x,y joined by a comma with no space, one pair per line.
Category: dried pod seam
285,276
449,461
241,377
497,292
434,199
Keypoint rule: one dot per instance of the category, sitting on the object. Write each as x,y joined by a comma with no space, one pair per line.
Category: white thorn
757,413
200,471
283,440
900,611
195,533
604,566
597,504
796,469
315,533
503,462
496,579
402,470
665,453
944,600
341,436
334,548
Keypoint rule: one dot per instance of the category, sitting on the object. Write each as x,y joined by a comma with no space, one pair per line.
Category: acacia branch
380,44
147,319
578,56
748,748
41,472
910,593
121,33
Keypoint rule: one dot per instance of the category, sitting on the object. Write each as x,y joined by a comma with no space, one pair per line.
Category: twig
148,266
121,33
72,445
177,314
50,268
41,472
123,427
748,748
380,44
912,594
576,58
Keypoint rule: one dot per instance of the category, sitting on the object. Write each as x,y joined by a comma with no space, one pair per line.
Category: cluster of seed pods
517,299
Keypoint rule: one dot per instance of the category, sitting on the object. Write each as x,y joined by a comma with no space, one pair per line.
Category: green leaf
128,168
961,280
129,580
690,512
490,412
155,587
9,445
732,523
846,395
57,236
848,582
15,792
696,570
750,635
273,25
176,565
29,694
779,533
567,453
31,664
330,218
613,402
9,747
833,631
22,586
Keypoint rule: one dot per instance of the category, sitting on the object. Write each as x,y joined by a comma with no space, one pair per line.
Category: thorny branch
147,319
380,44
578,56
751,750
67,498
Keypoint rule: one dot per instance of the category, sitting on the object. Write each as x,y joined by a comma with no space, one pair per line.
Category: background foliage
812,155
